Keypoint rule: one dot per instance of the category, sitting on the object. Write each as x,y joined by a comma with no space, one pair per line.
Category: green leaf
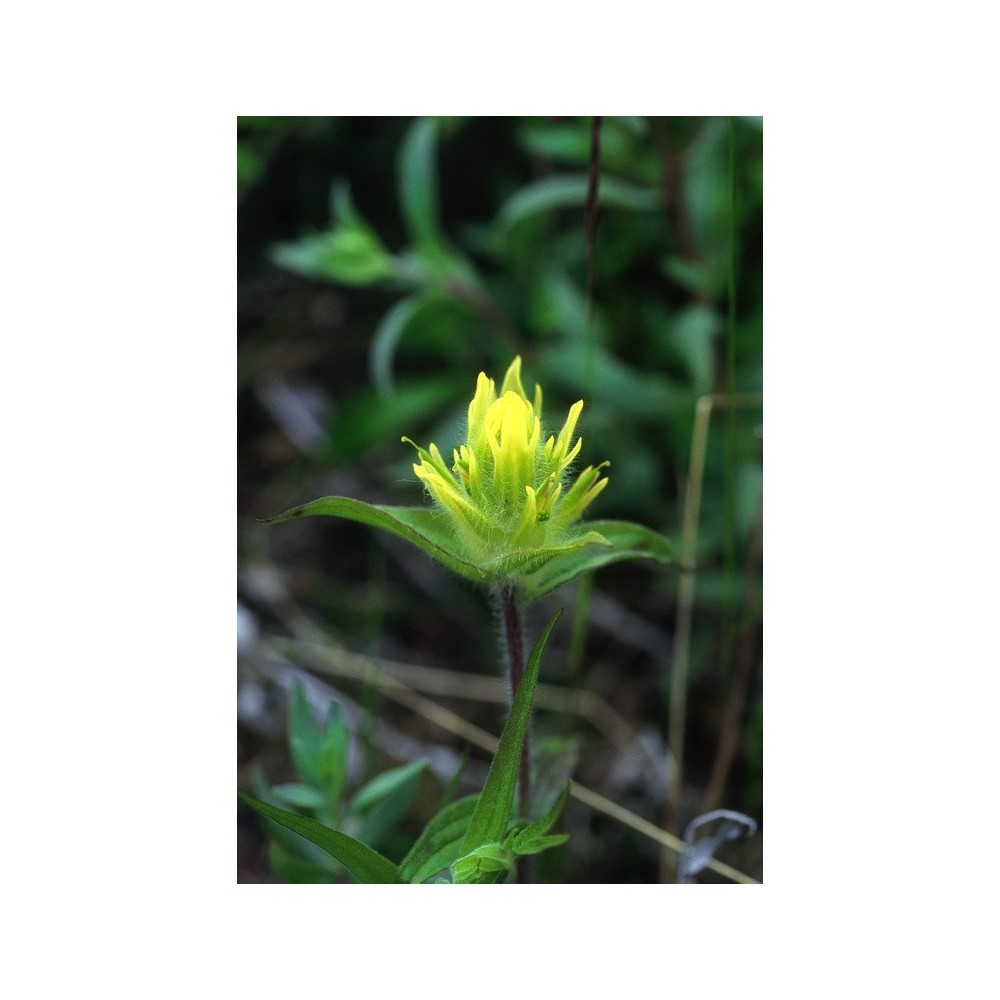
385,807
385,339
570,190
294,870
532,839
303,736
387,784
423,526
428,529
292,843
440,843
300,796
496,801
349,254
417,182
628,541
488,864
360,860
635,393
368,420
319,757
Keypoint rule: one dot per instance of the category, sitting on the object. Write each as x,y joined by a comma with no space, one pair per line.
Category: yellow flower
505,489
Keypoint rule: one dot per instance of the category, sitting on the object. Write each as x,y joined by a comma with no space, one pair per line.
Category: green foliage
538,570
496,802
440,844
465,835
319,753
360,860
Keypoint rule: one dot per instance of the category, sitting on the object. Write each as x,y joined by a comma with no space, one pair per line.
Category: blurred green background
382,263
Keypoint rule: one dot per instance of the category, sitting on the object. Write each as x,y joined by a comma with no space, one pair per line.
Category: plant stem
514,650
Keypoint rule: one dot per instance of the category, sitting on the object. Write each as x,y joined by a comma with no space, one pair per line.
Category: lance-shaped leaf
538,571
535,838
628,541
359,859
424,527
489,821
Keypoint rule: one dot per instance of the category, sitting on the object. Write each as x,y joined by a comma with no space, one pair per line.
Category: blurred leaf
292,869
320,757
385,800
705,188
489,821
632,393
553,760
418,183
293,844
387,334
570,191
700,277
440,843
387,784
692,333
629,541
303,736
368,419
360,860
350,254
300,796
559,307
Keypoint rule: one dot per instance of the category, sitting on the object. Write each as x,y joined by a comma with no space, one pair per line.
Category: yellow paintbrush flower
504,492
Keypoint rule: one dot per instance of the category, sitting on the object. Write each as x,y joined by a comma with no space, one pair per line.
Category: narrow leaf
387,336
532,839
489,821
303,736
570,190
535,845
422,526
360,860
417,183
300,796
384,785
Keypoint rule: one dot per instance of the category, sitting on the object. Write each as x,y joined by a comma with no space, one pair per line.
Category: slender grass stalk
685,605
578,630
591,212
729,468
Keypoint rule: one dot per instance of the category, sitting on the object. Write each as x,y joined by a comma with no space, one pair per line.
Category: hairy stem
514,649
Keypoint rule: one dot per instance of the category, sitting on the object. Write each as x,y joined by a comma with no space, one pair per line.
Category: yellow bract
504,491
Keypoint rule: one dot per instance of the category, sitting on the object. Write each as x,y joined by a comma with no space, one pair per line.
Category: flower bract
509,488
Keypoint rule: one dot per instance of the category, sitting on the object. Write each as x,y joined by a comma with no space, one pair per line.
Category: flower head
506,490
